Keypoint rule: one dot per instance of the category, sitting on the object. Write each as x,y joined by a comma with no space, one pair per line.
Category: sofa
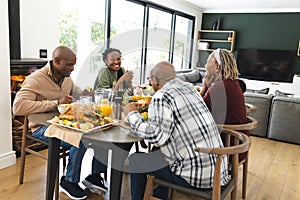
263,104
191,76
284,119
278,116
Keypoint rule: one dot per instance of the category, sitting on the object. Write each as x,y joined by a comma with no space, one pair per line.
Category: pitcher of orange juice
105,108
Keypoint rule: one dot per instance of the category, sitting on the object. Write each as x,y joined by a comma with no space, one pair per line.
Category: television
266,65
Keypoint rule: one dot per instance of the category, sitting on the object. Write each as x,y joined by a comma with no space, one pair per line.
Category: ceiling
243,6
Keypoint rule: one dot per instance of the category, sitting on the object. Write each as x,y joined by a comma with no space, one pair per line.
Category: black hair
109,50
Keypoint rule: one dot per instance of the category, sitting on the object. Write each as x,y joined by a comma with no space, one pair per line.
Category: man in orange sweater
42,91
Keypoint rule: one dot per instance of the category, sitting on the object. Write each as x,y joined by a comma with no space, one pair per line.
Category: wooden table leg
117,167
53,159
120,152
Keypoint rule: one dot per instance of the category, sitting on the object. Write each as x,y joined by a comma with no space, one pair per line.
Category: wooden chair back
241,144
250,108
252,124
27,135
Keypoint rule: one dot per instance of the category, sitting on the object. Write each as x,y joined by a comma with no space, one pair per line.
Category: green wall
275,31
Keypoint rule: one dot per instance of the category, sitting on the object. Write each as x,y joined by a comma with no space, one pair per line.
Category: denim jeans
143,163
75,157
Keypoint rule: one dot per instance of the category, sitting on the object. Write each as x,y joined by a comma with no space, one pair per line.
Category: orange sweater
39,92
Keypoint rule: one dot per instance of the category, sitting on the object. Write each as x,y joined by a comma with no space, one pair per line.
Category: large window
82,29
159,35
128,34
183,42
146,33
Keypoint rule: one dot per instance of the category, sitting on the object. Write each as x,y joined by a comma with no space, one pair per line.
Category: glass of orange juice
105,108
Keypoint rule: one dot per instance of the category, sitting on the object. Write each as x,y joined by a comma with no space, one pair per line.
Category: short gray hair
163,72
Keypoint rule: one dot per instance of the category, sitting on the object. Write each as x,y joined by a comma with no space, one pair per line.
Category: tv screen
266,65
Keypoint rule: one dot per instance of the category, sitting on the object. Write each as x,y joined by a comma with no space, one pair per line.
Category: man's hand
129,108
88,91
65,99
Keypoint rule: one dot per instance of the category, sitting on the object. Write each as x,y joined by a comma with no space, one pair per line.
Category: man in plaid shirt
178,122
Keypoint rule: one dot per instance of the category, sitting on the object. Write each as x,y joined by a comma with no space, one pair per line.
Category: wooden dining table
115,138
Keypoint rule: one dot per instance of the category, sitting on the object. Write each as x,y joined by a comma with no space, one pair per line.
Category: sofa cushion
194,76
282,94
284,119
263,103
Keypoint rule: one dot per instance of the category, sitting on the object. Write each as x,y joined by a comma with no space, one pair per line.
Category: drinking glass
106,108
117,111
103,94
85,100
98,95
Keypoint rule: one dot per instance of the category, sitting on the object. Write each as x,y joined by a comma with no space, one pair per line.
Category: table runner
67,135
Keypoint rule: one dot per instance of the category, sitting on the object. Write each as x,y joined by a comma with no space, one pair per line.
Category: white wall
39,30
7,155
39,27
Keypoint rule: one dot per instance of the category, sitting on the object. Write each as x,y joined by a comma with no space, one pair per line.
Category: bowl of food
63,107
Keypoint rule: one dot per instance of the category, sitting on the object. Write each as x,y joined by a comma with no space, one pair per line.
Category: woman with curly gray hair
221,89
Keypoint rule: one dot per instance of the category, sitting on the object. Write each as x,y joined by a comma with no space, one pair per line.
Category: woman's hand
128,75
206,82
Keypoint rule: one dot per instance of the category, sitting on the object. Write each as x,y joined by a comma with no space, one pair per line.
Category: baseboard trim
7,159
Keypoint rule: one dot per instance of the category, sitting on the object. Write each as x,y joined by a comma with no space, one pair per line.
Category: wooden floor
274,174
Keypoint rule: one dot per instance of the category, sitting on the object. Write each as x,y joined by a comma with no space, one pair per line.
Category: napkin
67,135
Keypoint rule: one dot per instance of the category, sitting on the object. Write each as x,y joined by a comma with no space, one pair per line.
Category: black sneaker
73,190
95,184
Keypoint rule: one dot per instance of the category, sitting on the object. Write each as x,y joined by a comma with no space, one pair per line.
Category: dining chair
250,108
241,144
252,124
26,136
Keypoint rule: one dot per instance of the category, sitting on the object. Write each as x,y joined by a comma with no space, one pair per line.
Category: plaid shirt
178,122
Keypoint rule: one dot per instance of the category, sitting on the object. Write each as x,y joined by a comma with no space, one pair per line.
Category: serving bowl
62,107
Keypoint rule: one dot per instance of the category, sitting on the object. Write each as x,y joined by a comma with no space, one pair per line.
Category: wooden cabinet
209,40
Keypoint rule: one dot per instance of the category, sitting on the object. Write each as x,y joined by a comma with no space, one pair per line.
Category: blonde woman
221,89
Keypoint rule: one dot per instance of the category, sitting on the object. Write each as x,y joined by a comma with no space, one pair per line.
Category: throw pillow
282,94
181,76
192,77
262,91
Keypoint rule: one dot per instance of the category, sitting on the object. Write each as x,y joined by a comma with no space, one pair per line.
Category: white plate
103,127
